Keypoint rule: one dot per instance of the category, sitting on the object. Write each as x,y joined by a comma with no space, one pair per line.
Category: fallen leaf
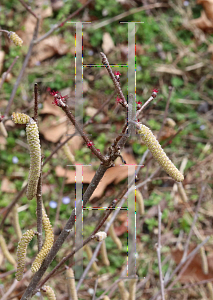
194,271
108,43
203,22
88,174
208,7
7,186
47,48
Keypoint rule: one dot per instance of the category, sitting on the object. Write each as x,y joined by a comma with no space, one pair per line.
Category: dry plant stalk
132,288
16,221
21,252
35,151
5,251
48,243
104,254
140,201
88,250
48,292
123,292
71,283
158,153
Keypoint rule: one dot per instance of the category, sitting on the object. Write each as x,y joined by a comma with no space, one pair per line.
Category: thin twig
39,212
116,83
28,8
35,102
8,71
18,80
56,26
158,247
79,129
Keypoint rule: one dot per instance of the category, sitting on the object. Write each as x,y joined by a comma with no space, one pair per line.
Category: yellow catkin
71,283
139,199
68,153
5,251
15,221
48,243
123,292
48,292
132,288
158,153
20,118
89,255
35,158
114,237
106,298
210,288
15,38
100,236
21,252
35,152
104,254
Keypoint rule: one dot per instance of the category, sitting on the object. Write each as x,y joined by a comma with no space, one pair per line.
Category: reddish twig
28,8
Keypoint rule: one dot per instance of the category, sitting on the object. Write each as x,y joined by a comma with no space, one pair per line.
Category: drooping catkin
48,292
132,288
71,283
68,153
104,254
106,297
88,250
15,221
48,242
21,252
15,38
139,199
35,152
158,153
114,237
123,292
5,251
205,266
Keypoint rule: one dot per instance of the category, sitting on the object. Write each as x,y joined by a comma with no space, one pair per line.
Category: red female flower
118,100
90,144
154,93
117,75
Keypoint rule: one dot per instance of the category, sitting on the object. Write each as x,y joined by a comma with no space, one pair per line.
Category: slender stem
62,23
159,254
116,83
35,102
79,129
39,212
28,8
8,71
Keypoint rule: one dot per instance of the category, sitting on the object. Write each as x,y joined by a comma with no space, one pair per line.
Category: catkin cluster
71,283
15,38
49,239
48,292
158,153
35,151
21,252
